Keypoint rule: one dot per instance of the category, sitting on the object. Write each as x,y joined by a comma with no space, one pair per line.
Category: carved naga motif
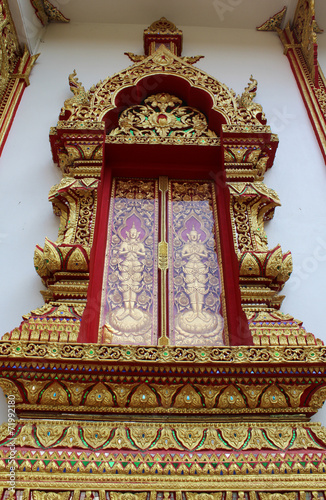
80,94
245,101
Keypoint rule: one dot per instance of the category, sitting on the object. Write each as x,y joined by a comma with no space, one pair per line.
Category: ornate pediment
157,71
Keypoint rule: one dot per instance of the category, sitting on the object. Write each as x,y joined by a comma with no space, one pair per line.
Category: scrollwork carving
162,115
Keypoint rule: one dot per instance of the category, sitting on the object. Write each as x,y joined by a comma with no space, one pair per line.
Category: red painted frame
180,161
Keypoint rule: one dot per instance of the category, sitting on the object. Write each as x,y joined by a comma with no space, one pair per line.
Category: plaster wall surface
28,27
96,51
322,50
321,38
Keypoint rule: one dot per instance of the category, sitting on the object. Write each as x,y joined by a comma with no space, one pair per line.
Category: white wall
28,27
321,38
322,50
96,51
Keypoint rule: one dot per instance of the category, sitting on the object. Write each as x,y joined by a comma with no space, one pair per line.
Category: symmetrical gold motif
195,282
162,115
49,495
101,97
163,27
129,300
145,436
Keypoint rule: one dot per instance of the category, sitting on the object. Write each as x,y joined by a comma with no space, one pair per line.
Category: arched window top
163,71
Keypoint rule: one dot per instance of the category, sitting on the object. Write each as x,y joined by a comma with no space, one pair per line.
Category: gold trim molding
300,46
16,66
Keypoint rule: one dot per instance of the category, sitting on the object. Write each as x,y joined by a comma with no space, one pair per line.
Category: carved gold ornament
118,420
47,12
49,495
162,115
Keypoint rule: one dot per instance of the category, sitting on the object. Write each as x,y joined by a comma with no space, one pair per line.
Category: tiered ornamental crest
161,341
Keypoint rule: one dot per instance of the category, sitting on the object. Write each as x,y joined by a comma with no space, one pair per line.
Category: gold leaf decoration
96,436
54,395
48,434
120,439
294,392
99,396
280,436
273,398
189,436
204,496
231,398
235,436
33,388
143,396
303,440
10,388
162,115
188,398
143,436
166,440
318,398
257,440
278,496
51,495
212,441
252,394
25,437
127,496
72,438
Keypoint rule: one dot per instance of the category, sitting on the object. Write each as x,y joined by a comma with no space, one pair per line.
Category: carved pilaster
262,271
63,265
15,67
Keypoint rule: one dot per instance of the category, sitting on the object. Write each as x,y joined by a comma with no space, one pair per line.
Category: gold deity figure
131,269
195,274
199,323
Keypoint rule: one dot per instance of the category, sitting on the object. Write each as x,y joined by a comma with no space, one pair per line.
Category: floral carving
162,115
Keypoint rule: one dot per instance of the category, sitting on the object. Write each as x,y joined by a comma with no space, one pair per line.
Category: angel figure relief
131,269
128,320
197,323
193,252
